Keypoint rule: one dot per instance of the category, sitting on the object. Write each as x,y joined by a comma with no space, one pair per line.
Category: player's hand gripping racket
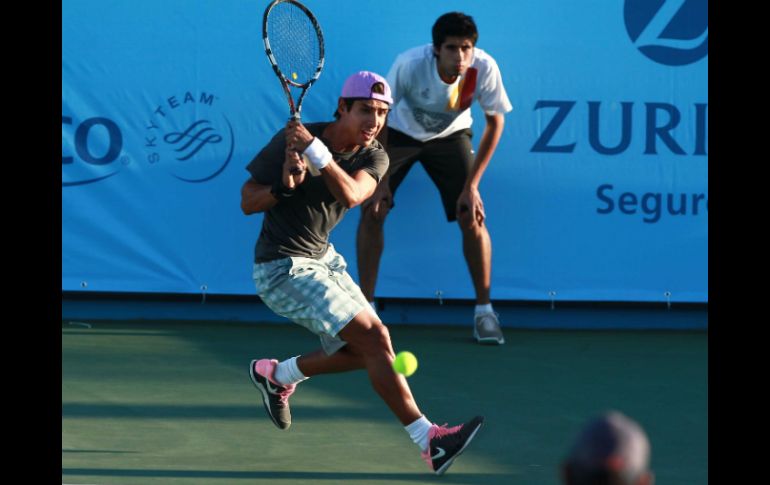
294,45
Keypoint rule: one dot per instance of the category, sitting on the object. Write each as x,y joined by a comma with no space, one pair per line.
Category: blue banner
598,189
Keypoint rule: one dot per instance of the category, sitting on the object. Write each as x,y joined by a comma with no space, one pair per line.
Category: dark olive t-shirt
300,225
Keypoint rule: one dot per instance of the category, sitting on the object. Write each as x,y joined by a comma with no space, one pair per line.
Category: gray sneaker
487,329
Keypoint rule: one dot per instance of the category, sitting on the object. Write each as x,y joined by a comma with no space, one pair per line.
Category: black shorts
447,161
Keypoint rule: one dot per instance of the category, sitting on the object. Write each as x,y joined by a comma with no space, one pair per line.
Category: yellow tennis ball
294,76
405,363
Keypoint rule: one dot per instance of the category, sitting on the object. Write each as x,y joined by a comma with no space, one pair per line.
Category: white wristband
318,154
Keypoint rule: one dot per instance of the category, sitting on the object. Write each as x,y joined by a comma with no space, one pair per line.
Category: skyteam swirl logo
670,32
193,144
193,139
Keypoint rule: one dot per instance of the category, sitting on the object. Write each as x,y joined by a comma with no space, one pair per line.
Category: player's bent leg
477,249
370,242
368,337
319,362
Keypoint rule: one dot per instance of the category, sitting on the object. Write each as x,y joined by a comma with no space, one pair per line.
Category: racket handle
296,170
295,116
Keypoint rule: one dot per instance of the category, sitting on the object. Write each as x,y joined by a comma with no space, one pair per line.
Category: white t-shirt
425,107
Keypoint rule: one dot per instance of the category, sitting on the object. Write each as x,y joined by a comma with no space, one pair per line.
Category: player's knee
371,218
381,336
378,340
466,221
472,230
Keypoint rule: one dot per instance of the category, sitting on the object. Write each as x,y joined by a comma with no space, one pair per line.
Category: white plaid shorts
318,294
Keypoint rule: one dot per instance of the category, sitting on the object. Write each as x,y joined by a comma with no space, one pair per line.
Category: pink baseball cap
367,85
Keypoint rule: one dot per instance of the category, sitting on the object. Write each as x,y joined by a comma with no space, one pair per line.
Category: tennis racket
294,45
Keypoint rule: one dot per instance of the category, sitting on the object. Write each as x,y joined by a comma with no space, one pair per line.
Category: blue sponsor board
598,189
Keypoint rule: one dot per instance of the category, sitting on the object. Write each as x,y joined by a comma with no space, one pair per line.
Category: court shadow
98,451
225,412
276,475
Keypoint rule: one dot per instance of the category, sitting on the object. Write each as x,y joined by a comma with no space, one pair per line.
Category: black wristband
280,191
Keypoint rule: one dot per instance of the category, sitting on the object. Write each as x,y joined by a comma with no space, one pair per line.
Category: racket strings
294,42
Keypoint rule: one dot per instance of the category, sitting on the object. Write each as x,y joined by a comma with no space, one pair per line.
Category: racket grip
295,116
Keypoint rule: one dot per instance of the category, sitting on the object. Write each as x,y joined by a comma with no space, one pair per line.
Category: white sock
287,372
418,431
482,309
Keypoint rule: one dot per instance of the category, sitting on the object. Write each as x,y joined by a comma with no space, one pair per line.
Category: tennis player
300,276
433,88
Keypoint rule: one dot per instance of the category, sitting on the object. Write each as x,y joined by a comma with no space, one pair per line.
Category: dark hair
378,88
454,24
612,449
348,104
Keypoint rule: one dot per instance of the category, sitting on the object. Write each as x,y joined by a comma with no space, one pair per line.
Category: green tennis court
153,402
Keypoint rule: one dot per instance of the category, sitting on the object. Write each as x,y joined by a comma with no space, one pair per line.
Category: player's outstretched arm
489,140
351,190
470,198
